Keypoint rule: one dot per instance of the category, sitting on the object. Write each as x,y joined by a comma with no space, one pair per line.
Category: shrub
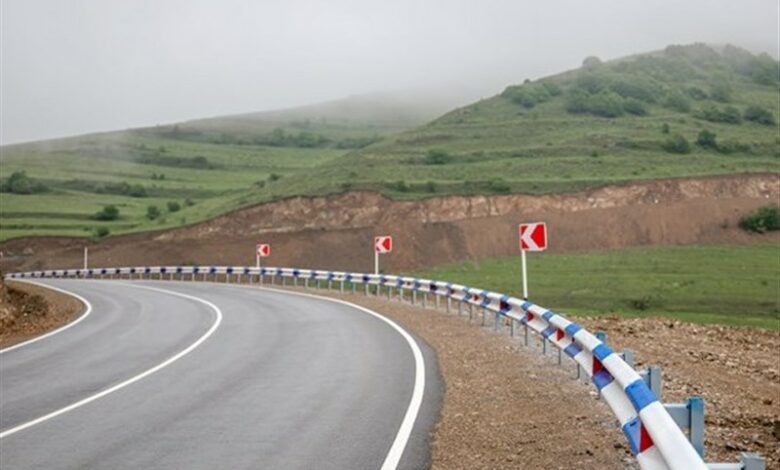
729,114
677,144
696,93
437,157
637,88
189,202
591,82
677,102
763,220
707,139
634,106
606,105
152,212
552,88
401,186
274,177
759,115
591,62
499,185
101,232
665,128
109,212
136,191
19,183
173,206
430,186
721,91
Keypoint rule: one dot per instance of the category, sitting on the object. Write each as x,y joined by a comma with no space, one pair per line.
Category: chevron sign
533,237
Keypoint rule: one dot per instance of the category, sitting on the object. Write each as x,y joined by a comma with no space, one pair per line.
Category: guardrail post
354,287
400,294
436,300
449,303
366,288
652,377
560,356
341,286
526,334
497,325
389,292
690,415
460,308
330,284
483,316
752,461
284,281
471,311
425,300
512,327
319,283
414,296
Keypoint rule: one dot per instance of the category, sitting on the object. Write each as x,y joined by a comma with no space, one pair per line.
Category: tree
19,183
109,212
152,212
591,62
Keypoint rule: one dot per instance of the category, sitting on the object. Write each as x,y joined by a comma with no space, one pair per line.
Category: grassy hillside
685,111
204,167
728,285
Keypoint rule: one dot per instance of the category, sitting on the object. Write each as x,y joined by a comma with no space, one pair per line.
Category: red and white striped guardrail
652,434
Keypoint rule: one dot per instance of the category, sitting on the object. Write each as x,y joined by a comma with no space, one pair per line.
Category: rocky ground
27,310
507,406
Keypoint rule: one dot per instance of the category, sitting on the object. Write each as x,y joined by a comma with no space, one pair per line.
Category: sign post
533,237
382,244
262,250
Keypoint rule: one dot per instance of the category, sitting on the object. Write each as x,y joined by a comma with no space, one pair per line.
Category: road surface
203,375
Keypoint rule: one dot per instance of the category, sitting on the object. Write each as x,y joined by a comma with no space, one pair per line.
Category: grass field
733,285
633,110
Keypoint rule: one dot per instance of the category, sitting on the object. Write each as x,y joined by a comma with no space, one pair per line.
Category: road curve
260,379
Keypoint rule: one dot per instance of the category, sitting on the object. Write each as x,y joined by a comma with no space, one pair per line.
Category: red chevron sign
383,244
533,237
263,250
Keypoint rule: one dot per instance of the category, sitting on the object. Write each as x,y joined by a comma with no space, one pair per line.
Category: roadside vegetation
734,285
681,112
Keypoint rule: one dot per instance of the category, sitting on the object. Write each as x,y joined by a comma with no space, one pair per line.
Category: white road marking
404,432
58,330
136,378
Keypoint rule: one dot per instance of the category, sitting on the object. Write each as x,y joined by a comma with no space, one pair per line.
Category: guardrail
653,430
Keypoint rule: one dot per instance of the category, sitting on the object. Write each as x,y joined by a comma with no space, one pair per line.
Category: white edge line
136,378
58,330
404,432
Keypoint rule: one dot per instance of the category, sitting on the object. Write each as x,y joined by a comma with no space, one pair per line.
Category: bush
707,139
189,202
109,212
591,82
173,206
274,177
437,157
499,185
759,115
20,183
605,105
400,186
696,93
729,114
552,88
677,144
665,128
677,102
721,91
152,212
136,191
430,186
101,232
638,88
763,220
634,106
591,62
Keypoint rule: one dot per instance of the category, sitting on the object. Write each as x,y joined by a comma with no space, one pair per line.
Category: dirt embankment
27,311
337,231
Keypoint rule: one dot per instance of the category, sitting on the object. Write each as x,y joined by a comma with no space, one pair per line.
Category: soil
507,406
324,232
27,310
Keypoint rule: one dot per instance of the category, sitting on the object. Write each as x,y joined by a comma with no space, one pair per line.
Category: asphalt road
255,379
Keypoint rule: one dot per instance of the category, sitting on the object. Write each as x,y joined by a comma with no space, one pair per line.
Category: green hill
684,111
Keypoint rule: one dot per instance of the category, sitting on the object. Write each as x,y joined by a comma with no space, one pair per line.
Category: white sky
76,66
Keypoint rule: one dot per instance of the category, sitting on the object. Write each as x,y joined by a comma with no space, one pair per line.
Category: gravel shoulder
27,310
507,406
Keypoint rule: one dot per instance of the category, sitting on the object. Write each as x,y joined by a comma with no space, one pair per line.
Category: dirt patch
327,232
735,369
506,406
27,311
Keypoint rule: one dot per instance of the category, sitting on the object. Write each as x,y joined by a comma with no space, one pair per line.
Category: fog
78,66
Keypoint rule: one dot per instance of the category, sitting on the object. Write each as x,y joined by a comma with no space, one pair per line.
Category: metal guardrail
653,430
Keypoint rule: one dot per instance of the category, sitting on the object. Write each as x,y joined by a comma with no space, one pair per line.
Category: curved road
209,375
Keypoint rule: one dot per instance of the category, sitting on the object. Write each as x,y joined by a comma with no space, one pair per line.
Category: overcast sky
76,66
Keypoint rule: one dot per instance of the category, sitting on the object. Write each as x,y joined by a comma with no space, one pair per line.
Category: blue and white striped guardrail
654,437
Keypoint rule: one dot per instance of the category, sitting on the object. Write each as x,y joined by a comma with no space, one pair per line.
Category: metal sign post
533,237
382,244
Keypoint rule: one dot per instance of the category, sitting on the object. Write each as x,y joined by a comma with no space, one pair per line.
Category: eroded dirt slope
336,231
